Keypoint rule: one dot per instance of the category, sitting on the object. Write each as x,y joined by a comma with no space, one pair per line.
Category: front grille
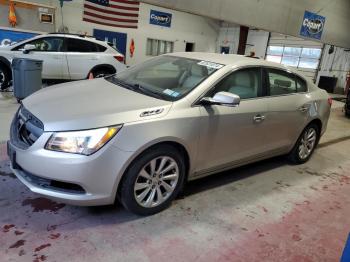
25,128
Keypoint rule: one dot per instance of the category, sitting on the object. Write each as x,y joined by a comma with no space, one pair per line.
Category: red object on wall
132,48
12,15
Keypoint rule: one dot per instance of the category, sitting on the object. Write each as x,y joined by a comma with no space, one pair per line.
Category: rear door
288,107
82,56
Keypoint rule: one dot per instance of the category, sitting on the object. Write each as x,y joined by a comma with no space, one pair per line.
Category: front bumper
70,178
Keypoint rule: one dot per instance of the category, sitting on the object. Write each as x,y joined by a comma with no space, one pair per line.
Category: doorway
224,50
189,47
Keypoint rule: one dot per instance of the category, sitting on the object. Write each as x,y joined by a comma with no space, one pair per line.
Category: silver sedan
138,136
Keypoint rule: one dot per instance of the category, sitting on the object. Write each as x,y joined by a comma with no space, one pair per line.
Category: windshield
113,46
166,77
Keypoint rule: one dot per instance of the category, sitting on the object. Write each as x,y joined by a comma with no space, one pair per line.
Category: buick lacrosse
139,135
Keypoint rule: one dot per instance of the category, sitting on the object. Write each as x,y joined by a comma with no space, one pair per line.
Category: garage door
295,52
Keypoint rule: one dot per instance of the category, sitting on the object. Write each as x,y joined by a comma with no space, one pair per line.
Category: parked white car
64,56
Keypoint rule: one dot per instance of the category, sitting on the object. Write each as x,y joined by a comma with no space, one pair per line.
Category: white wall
184,27
256,41
27,17
336,65
282,16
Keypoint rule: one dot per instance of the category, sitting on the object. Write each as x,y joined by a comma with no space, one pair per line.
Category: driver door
232,135
50,51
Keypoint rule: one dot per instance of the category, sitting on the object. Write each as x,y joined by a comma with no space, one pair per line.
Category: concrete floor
268,211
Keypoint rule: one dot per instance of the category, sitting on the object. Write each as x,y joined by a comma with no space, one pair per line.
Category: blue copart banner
346,253
160,18
8,37
313,25
118,39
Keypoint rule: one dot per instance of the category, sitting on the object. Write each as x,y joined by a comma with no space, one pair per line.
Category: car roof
76,36
231,59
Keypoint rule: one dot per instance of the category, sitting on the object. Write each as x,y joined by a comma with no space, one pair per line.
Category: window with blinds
158,47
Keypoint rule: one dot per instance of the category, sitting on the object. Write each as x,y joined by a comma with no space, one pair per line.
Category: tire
347,111
149,188
347,106
297,155
5,77
98,73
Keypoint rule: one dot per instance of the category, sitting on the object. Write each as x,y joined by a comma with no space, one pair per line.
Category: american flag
118,13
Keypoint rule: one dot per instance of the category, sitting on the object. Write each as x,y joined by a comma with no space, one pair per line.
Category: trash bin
26,77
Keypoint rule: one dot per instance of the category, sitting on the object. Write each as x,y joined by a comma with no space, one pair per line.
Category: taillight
330,101
119,58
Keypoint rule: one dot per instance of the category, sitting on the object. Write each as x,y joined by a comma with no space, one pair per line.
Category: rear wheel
153,181
347,105
4,77
98,73
305,145
347,111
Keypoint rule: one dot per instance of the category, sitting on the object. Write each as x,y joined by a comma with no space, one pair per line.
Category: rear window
81,46
113,46
282,82
101,48
301,84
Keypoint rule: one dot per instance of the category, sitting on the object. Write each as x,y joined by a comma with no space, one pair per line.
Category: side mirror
27,48
222,98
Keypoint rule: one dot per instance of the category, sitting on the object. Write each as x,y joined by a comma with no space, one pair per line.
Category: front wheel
305,145
153,180
4,77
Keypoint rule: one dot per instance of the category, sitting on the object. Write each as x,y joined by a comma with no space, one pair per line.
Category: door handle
303,109
259,118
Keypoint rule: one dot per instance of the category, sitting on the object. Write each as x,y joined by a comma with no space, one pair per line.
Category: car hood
91,104
5,47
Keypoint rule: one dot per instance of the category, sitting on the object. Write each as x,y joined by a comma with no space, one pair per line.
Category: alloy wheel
307,143
156,181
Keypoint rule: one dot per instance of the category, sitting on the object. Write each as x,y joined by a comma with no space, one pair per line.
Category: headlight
84,142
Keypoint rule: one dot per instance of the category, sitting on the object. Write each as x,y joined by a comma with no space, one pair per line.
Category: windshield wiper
122,83
139,88
148,91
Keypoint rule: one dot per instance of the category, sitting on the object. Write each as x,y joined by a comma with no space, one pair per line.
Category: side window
246,83
45,44
280,82
101,48
81,46
301,84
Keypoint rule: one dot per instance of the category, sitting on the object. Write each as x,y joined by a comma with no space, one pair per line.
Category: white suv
64,56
